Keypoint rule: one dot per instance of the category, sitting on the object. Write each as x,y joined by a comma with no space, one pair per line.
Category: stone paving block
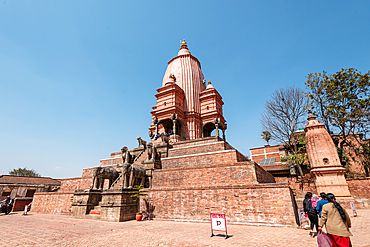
60,230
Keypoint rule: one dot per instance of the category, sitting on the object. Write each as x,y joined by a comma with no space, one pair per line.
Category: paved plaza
60,230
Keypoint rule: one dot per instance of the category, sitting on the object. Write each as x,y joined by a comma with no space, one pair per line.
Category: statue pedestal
117,205
114,204
84,201
149,166
331,180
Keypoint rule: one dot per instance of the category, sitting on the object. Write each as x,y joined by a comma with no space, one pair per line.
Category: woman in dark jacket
311,212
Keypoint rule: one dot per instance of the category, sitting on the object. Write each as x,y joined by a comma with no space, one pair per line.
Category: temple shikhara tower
186,106
326,169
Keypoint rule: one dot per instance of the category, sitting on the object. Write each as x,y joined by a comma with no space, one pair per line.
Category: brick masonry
254,205
52,203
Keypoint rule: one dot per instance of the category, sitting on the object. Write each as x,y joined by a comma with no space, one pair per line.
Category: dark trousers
314,220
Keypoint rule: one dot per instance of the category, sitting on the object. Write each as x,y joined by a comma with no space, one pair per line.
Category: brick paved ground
59,230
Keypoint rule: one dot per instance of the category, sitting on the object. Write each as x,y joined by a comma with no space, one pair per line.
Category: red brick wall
262,175
52,203
254,205
223,157
299,188
72,184
20,203
359,188
206,175
87,172
202,148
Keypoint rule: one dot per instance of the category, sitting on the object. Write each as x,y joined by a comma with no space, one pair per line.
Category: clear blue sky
78,78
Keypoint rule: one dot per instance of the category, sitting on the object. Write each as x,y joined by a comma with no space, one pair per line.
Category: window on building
30,193
6,193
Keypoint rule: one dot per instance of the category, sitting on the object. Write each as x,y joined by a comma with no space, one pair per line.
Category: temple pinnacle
184,45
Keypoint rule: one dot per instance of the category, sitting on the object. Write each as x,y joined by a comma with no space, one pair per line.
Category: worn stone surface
118,205
59,230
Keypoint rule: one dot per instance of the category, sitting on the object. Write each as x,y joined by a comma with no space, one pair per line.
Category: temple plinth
186,107
326,169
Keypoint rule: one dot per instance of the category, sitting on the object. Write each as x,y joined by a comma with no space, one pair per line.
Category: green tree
342,102
299,157
266,136
24,172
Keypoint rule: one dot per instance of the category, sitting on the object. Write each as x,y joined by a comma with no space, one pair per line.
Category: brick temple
187,166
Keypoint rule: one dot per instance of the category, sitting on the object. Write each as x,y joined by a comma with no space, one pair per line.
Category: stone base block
117,205
84,201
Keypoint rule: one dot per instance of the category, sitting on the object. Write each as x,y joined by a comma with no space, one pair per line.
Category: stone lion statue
152,152
141,142
126,155
102,173
164,138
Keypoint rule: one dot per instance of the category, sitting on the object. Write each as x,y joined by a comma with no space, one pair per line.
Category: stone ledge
228,222
256,186
198,145
53,193
192,155
243,163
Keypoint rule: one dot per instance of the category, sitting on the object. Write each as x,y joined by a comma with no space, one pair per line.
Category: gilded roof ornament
173,77
184,45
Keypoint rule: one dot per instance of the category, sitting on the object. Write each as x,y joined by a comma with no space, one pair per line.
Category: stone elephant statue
132,172
102,173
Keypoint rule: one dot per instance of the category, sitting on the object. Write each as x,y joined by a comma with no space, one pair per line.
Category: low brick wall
299,188
359,188
252,205
20,203
262,175
69,185
52,203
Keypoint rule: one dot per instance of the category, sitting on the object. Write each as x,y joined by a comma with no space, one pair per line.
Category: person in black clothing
311,212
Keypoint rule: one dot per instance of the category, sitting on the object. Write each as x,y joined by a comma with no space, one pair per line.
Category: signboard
353,209
218,223
302,217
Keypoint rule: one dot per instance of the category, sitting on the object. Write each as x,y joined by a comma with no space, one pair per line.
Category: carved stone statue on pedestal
102,173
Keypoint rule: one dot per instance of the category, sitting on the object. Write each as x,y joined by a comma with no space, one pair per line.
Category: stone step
197,148
95,212
93,216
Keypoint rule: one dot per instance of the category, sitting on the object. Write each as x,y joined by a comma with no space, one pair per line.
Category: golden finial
209,82
184,45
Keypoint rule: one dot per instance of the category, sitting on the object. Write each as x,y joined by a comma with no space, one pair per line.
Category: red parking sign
218,223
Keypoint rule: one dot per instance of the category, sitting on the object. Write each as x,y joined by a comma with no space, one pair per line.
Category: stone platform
114,204
208,175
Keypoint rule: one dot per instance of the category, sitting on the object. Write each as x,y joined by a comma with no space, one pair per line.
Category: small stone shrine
326,169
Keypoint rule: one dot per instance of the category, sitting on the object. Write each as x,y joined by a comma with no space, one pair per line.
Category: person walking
321,203
314,200
337,223
311,212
